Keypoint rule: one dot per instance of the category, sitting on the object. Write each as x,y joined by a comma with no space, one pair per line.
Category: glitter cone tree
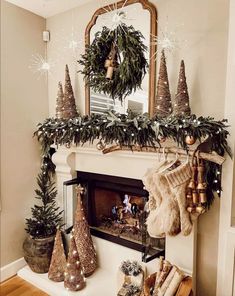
58,260
59,102
181,104
83,238
163,106
73,277
70,110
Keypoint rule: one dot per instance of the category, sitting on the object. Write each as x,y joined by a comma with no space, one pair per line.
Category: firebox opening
116,209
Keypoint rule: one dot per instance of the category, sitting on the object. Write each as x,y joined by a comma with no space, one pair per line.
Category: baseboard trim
11,269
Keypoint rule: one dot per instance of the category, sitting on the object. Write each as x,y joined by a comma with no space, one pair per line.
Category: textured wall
23,104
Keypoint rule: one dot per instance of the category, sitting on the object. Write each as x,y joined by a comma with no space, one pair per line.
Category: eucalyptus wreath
131,62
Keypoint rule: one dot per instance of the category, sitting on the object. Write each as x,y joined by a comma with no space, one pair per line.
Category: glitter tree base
58,260
83,238
74,278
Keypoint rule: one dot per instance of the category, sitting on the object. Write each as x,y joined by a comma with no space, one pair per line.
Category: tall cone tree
70,110
74,277
83,239
181,104
58,260
163,106
60,101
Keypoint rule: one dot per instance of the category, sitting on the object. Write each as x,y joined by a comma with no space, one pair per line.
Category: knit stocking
150,185
169,209
165,218
178,180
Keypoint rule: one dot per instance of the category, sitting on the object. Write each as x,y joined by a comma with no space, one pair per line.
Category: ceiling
47,8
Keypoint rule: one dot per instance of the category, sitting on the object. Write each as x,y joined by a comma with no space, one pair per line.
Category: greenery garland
132,64
128,129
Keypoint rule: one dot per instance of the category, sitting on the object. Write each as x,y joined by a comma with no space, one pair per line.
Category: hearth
116,211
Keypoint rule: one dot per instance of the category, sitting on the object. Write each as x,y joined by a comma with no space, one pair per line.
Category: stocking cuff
179,175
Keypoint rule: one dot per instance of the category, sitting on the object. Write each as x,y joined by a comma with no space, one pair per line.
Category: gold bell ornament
201,186
192,183
200,209
191,191
189,200
111,62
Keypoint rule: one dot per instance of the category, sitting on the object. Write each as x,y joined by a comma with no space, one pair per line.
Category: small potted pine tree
41,228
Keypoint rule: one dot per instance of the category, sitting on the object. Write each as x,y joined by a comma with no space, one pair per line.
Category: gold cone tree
181,103
58,260
163,107
70,110
74,278
60,101
83,238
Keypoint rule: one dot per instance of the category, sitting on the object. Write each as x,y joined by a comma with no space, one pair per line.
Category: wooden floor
18,287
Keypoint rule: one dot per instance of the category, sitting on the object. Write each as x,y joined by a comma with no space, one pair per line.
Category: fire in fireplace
116,211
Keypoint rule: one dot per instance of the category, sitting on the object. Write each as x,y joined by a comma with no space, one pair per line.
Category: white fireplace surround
180,250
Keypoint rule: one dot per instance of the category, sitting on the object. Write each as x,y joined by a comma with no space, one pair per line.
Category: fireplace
116,211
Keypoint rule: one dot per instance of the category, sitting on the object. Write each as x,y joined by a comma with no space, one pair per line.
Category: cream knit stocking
178,180
155,198
165,218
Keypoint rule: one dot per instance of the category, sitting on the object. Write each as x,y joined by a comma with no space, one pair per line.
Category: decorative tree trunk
70,110
83,239
60,101
181,104
163,100
58,260
74,278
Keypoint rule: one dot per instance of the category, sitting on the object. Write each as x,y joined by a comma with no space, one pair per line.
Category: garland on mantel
138,130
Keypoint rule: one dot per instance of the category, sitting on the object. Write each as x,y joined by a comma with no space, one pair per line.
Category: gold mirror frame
153,47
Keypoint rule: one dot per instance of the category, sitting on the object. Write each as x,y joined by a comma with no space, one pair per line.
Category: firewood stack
169,280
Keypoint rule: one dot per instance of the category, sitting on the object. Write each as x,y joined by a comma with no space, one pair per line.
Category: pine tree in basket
45,217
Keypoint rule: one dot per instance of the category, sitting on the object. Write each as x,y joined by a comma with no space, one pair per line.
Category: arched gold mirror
142,15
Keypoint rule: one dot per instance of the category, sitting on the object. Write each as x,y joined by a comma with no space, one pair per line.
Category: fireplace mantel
180,250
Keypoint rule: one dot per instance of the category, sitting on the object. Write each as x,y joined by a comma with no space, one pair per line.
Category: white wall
226,254
23,104
205,31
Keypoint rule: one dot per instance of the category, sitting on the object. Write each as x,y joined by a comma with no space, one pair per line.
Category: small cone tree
70,110
46,216
163,100
83,239
181,104
74,279
58,260
60,101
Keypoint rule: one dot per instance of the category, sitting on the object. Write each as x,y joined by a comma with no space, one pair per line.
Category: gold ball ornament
190,140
